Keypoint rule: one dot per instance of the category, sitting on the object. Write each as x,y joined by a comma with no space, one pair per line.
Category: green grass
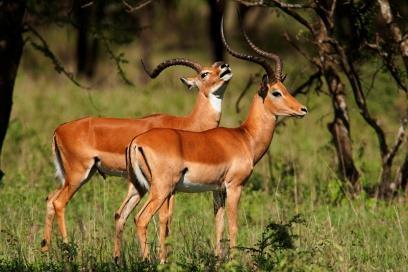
338,234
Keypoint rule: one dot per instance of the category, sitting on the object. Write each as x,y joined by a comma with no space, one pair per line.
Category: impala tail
59,166
138,168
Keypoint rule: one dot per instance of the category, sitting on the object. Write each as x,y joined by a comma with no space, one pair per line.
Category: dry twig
250,82
401,135
45,49
131,8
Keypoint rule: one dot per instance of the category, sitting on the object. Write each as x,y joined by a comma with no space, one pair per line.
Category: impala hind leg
143,218
233,196
165,213
49,219
132,199
219,210
73,182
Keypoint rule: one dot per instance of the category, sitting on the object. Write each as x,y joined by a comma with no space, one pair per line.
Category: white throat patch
216,95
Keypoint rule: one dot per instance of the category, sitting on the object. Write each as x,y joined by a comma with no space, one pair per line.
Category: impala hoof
44,246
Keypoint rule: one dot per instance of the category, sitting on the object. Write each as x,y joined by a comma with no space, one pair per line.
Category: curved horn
167,63
271,56
268,69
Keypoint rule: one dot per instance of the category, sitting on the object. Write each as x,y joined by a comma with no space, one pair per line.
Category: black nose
225,65
304,109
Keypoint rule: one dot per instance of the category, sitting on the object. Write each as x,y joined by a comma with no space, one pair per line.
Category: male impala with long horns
218,160
87,145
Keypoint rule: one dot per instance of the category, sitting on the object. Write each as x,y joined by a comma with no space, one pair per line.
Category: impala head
278,100
211,81
276,97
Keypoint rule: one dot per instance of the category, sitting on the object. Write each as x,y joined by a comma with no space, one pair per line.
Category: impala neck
205,112
259,126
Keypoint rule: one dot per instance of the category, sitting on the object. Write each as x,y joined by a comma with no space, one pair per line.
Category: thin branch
131,8
117,59
307,84
250,82
87,4
324,17
388,62
398,142
311,4
262,3
301,51
251,3
285,8
45,49
373,78
332,9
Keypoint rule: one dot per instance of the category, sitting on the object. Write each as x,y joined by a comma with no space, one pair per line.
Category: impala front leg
219,208
233,196
132,199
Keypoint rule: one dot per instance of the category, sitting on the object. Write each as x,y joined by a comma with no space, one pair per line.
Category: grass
331,233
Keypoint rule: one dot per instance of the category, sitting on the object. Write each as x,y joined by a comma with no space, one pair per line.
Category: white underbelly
110,171
188,186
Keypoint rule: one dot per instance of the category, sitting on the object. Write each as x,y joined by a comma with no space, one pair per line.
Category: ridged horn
271,56
268,69
167,63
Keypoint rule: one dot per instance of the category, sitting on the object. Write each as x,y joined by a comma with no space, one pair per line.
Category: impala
87,145
218,160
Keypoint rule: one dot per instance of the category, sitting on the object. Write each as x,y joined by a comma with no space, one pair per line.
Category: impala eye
276,94
203,75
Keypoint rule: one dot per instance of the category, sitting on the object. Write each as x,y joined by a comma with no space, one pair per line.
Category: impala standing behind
87,145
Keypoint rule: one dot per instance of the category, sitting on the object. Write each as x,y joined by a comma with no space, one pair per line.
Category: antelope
218,160
87,145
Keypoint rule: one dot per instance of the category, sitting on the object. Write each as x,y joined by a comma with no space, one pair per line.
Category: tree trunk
145,18
399,39
11,46
387,187
170,8
98,14
87,49
340,126
82,16
340,131
216,11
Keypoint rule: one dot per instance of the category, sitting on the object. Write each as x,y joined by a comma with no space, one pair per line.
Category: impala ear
263,90
190,83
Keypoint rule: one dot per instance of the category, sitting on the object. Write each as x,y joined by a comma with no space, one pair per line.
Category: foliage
269,251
